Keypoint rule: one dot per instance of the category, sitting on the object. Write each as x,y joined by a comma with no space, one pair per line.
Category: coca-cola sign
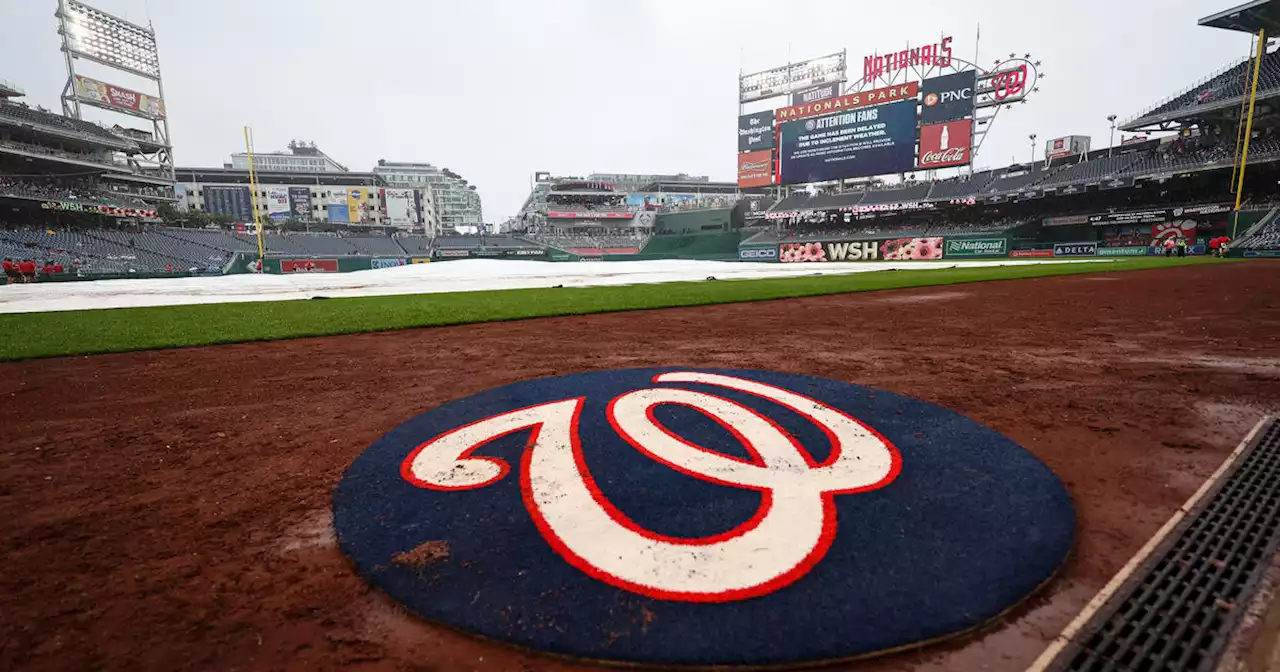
947,144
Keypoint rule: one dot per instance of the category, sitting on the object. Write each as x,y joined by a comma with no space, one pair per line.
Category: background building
336,198
456,202
302,157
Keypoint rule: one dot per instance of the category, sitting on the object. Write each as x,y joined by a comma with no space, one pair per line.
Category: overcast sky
499,89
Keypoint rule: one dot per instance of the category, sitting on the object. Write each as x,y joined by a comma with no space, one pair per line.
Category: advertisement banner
589,215
1031,254
911,249
1068,146
946,144
1075,249
755,169
1117,183
1178,228
1065,221
758,253
359,206
860,250
118,98
385,263
948,98
755,131
975,247
308,265
849,101
898,249
1122,251
300,203
858,143
338,213
792,77
233,201
399,205
814,95
1130,217
278,204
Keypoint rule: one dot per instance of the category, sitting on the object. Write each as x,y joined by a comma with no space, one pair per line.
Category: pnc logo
610,514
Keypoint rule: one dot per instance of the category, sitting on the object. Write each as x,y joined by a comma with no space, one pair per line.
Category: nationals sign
626,514
888,94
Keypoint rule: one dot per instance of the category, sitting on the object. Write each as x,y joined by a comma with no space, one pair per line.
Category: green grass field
28,335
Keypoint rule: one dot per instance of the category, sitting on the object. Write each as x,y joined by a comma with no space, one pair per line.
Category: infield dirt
170,509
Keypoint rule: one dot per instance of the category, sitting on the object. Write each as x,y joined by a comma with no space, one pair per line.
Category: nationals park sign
613,515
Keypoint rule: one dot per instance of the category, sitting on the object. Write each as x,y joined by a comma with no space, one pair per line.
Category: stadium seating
791,202
835,200
1090,172
910,194
1226,85
28,115
1016,178
961,187
414,245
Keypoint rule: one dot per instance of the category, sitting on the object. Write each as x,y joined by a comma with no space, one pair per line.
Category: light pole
1033,147
1111,147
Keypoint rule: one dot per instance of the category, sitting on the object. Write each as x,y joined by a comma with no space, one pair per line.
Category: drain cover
1177,611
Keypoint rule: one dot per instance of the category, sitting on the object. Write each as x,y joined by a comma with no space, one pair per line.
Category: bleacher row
110,251
822,230
28,115
1227,85
1018,178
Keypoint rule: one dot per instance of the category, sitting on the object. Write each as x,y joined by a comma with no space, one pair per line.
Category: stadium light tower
96,36
1111,146
1033,147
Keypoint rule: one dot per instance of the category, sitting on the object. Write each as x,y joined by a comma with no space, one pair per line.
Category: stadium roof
10,90
1249,17
241,176
690,187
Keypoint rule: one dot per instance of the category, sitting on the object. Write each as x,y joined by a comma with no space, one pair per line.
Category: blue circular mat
702,517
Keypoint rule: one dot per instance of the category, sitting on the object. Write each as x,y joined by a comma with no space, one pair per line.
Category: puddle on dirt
921,298
314,532
1225,423
1260,366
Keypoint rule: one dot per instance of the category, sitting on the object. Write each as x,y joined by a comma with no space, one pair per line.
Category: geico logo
768,253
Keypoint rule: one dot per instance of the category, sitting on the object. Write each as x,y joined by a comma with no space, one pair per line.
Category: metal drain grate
1178,610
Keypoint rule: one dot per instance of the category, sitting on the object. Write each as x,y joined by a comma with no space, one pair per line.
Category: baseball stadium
870,406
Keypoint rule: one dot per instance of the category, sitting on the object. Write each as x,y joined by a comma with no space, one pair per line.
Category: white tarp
467,275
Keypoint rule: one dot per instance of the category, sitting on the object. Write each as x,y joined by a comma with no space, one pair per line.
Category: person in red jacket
28,270
47,268
10,271
57,268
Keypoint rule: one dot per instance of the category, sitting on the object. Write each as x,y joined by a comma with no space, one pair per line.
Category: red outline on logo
406,471
823,544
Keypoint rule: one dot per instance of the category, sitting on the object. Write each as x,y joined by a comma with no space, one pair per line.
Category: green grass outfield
28,335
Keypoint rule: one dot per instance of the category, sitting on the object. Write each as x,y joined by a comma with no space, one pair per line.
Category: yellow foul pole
1248,129
253,194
